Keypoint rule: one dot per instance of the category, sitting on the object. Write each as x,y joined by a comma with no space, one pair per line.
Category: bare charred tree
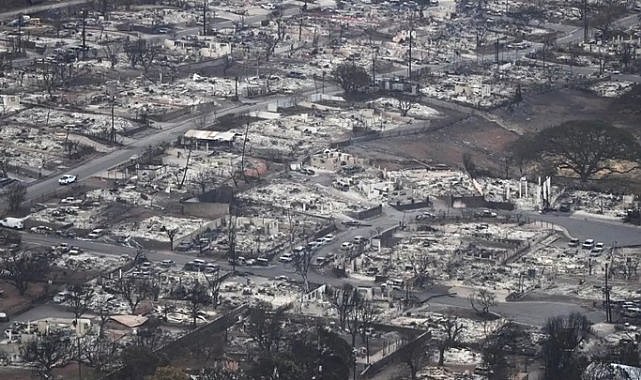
420,264
405,103
15,195
451,331
141,52
4,165
103,309
496,347
148,57
482,300
625,56
232,255
49,75
204,179
101,354
196,298
273,40
293,225
242,153
133,291
79,299
414,355
214,282
343,300
353,319
264,326
367,315
25,267
301,263
171,234
182,181
112,49
47,352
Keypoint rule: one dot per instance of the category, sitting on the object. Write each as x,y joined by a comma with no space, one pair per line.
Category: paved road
576,35
607,231
531,313
41,8
169,132
534,313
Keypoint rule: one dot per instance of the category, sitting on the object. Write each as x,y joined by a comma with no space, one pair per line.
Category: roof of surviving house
130,321
210,135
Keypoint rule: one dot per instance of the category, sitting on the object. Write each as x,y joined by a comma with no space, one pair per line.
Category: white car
328,238
588,244
347,245
67,179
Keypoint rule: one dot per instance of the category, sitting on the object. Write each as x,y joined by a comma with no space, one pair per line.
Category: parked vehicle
588,244
167,263
15,223
262,261
67,179
96,233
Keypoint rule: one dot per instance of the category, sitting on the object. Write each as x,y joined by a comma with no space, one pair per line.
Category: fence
396,356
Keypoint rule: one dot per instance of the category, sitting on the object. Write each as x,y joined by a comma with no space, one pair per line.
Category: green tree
169,373
25,267
15,194
585,147
140,361
197,298
47,352
560,347
352,79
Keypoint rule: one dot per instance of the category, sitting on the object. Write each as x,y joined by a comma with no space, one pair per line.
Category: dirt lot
544,110
483,139
70,372
12,303
487,141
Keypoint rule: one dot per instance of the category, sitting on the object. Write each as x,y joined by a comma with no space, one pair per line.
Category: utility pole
409,61
204,17
496,51
300,29
84,33
585,21
608,312
374,66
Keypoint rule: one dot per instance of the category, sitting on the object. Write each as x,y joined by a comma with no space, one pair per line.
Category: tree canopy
352,78
585,147
561,344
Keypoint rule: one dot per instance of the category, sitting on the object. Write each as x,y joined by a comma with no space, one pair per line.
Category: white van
96,233
14,223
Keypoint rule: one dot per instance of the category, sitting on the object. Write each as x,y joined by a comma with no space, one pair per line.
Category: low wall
396,356
205,209
368,213
411,206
